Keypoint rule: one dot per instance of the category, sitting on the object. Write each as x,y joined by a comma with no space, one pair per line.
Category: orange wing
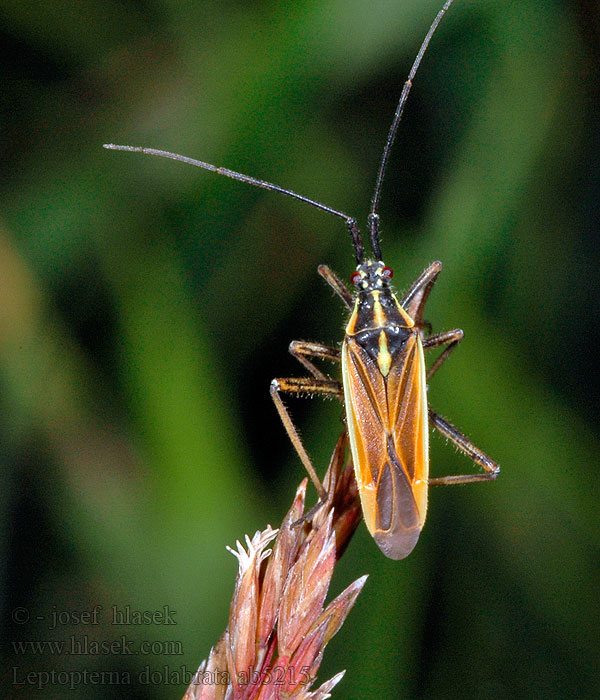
387,425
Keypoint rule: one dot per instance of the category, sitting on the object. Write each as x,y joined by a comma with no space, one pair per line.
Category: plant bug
384,379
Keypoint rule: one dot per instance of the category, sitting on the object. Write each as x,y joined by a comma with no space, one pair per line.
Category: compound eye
355,278
387,272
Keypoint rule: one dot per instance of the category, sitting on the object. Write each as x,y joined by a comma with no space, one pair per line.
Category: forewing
407,396
388,435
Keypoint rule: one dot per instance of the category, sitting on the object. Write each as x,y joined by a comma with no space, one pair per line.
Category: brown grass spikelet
279,624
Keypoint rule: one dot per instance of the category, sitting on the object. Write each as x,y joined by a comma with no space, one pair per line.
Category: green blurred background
145,305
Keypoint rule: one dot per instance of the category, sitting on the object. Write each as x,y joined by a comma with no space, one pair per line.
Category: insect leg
302,350
302,386
449,338
414,301
337,285
463,443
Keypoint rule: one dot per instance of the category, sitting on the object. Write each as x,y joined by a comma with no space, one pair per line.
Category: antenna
373,219
374,216
359,250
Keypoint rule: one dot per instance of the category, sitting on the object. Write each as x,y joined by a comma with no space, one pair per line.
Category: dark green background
145,306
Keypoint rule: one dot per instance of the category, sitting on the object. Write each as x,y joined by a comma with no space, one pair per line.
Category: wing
387,425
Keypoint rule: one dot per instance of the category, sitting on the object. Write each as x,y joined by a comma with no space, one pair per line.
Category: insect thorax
376,304
378,322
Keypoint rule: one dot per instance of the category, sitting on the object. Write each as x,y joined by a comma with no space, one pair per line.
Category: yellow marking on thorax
378,314
408,320
352,320
384,359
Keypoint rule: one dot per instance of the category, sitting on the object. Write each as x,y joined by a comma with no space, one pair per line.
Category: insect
384,379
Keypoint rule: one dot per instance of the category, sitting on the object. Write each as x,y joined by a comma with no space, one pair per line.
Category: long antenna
359,250
373,216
